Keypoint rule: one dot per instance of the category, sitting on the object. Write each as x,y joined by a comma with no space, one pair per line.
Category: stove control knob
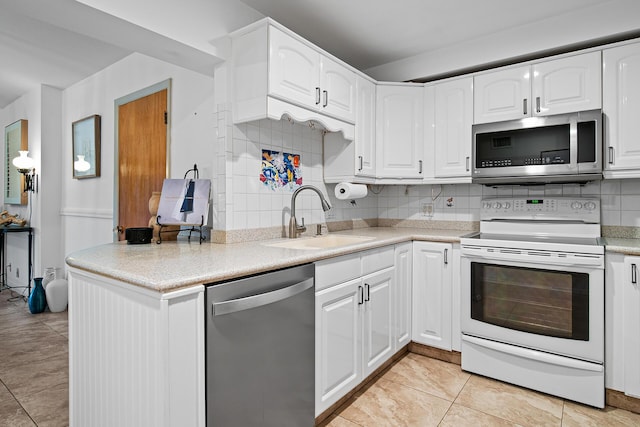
486,205
507,205
589,206
497,205
576,205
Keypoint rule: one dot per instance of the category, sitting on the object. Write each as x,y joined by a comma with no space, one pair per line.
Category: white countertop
174,265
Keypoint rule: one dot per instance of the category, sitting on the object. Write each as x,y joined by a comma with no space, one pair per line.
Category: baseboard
454,357
620,400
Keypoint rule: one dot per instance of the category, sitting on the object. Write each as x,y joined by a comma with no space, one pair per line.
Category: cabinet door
568,84
431,312
399,132
294,70
621,106
454,116
632,326
338,342
338,85
502,95
402,296
365,128
377,323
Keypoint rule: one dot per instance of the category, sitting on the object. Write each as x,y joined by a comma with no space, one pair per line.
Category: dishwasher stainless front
260,350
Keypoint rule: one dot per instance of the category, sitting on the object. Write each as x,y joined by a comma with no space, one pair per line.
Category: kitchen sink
321,242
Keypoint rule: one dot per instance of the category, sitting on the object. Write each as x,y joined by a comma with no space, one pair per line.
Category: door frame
165,84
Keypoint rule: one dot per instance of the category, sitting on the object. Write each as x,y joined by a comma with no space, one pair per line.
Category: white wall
87,204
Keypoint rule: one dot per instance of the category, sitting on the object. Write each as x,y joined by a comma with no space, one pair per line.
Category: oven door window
545,302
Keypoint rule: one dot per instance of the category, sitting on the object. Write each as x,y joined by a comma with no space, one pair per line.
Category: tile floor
420,391
34,366
416,391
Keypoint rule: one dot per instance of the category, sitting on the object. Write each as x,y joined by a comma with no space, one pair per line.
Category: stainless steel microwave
538,150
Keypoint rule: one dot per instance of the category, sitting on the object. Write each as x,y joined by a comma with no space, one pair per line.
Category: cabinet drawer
377,259
332,271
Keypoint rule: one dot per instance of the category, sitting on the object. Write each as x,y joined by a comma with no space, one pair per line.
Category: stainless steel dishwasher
260,350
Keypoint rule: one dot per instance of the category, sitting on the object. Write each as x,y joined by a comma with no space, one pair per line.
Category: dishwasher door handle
246,303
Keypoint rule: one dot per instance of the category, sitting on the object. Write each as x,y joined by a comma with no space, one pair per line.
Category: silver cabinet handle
317,95
611,155
634,274
360,295
246,303
537,104
420,166
326,98
524,106
467,163
361,162
446,258
367,292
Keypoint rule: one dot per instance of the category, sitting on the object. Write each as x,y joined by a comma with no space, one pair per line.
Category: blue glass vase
37,299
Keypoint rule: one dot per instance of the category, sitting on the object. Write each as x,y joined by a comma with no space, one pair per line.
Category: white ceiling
60,42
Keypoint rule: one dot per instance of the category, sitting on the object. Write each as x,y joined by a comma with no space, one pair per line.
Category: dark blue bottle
37,299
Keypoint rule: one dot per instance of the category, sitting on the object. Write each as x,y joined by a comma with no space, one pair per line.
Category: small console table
15,229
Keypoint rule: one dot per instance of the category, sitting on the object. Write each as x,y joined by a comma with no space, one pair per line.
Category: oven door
526,299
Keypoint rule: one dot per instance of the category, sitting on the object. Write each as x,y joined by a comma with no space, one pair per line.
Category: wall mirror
15,140
86,147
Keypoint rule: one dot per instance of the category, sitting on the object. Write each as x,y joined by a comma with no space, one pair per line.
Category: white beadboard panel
127,349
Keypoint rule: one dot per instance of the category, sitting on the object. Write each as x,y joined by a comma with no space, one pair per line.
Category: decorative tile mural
280,170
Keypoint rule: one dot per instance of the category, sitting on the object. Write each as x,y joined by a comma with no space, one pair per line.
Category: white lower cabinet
622,323
432,294
402,300
354,321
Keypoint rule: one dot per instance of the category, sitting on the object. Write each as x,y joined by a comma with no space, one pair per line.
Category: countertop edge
288,258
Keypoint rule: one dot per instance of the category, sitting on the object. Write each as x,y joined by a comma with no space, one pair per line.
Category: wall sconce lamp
26,166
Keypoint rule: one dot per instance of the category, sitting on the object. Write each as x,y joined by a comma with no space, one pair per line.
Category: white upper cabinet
552,87
338,90
568,84
453,120
302,75
365,142
502,95
399,131
294,69
274,73
621,106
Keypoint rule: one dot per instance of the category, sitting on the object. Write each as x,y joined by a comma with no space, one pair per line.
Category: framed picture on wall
86,147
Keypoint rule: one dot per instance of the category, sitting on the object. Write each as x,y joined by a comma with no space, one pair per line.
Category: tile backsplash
242,201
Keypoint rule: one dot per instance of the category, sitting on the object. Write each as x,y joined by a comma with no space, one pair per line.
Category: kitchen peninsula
136,319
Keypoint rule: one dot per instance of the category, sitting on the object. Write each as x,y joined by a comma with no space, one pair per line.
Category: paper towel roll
347,190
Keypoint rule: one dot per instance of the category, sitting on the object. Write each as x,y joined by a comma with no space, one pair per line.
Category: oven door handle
532,257
538,356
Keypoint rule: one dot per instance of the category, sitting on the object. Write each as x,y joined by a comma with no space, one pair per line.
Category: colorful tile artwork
280,170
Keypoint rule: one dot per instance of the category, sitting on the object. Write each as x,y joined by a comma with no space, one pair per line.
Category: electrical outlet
427,209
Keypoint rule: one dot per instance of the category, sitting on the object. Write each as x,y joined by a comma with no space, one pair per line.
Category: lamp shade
24,163
81,165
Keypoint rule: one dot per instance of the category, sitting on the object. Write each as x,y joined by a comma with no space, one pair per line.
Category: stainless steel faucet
294,228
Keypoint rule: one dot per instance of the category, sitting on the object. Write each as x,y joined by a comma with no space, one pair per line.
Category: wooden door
142,157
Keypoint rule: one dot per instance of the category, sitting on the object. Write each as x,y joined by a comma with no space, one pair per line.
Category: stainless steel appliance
558,148
260,350
532,290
